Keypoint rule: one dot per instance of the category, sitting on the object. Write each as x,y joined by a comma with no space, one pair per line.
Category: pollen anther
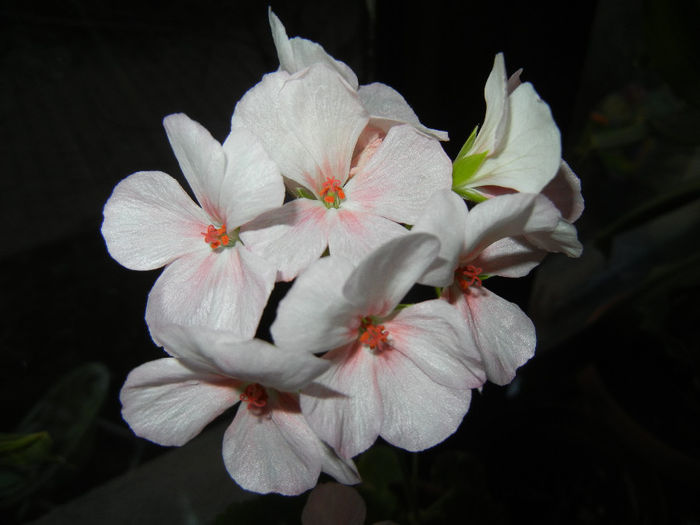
467,276
332,192
216,237
256,397
375,336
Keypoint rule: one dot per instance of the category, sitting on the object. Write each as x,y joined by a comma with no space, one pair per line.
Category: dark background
600,427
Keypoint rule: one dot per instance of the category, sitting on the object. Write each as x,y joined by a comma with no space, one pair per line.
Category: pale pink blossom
268,447
385,105
210,277
360,182
405,375
488,240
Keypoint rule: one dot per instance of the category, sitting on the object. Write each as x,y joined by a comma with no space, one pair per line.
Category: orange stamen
375,336
467,276
332,192
216,237
256,397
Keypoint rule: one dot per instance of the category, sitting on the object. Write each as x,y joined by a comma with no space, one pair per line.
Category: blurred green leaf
468,144
465,168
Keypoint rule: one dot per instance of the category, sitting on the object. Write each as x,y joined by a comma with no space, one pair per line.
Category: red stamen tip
375,336
256,397
467,276
216,237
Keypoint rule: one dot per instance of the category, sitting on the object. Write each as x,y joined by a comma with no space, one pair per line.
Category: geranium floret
216,237
256,397
375,336
332,192
467,276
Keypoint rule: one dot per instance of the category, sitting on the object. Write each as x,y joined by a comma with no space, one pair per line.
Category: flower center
467,276
217,237
256,397
332,192
374,335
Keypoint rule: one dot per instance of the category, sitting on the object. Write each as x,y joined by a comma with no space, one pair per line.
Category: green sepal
303,193
470,194
468,144
464,168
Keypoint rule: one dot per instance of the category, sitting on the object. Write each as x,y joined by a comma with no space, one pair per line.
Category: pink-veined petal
434,336
253,360
149,221
418,412
201,159
168,403
274,452
334,504
251,184
356,233
388,108
386,275
401,176
504,334
344,406
491,133
445,217
326,117
290,238
314,316
297,53
530,151
227,290
506,216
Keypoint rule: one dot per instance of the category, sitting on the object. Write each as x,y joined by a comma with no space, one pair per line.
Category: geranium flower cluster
374,206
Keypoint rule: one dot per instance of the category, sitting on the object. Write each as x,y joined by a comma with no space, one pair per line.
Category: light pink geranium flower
210,277
404,375
385,105
361,182
268,447
488,241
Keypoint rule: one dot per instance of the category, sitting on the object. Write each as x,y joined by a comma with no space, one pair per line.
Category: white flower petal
388,108
509,257
401,176
168,403
505,335
225,290
445,217
386,275
564,190
418,412
275,452
251,184
490,135
297,53
150,221
201,159
344,406
314,316
290,238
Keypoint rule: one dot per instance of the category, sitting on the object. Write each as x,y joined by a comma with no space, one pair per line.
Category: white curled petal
168,403
201,159
290,238
386,275
562,239
356,233
401,176
418,412
343,470
149,221
225,290
276,452
252,183
344,406
564,190
253,360
434,336
507,216
509,257
297,53
334,504
388,108
491,133
445,217
530,151
504,333
314,316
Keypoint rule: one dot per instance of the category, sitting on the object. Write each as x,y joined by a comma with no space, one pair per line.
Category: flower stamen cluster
217,237
256,397
374,336
467,276
332,193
